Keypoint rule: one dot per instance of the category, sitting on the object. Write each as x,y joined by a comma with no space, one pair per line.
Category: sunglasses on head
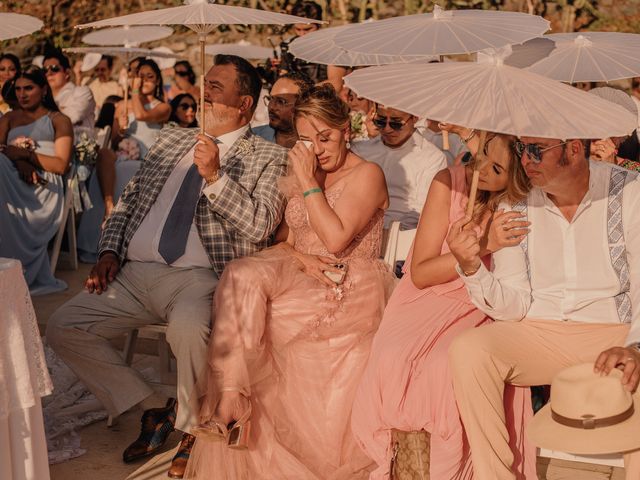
534,151
187,106
52,68
382,122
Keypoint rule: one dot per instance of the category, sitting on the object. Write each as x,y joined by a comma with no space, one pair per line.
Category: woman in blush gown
407,384
288,344
37,146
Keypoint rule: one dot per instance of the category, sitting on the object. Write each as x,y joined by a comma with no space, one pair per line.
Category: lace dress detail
23,369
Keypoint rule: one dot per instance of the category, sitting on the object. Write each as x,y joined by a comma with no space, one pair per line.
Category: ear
246,104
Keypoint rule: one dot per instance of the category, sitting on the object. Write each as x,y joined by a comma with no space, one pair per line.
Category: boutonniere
244,146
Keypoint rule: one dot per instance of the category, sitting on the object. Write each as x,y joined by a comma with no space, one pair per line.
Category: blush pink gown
407,383
297,348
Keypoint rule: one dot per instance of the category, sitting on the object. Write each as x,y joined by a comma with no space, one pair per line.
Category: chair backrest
103,137
398,244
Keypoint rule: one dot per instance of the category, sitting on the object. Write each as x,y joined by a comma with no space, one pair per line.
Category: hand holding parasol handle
202,38
480,158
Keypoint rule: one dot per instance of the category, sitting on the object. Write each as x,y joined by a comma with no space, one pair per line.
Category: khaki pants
523,353
142,294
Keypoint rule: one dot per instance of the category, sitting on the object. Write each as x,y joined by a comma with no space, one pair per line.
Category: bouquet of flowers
358,127
86,150
128,149
24,142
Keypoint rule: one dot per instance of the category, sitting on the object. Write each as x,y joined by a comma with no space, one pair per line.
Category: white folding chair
68,223
398,243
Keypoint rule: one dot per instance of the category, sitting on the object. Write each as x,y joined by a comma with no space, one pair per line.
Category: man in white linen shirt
570,293
409,162
75,101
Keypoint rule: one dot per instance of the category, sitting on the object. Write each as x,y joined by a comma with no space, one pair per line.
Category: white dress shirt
571,273
456,145
409,170
144,244
78,104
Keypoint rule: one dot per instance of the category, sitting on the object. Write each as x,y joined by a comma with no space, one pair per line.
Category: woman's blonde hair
322,102
518,184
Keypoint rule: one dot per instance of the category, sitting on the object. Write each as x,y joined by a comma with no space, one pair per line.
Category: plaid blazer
238,222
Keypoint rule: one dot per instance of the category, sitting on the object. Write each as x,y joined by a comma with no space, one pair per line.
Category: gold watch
213,178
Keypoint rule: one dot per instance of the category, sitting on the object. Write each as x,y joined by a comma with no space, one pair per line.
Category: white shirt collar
230,138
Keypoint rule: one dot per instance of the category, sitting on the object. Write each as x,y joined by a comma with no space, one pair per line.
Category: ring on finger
629,359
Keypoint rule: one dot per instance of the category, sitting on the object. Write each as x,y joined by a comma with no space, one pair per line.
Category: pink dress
297,348
407,384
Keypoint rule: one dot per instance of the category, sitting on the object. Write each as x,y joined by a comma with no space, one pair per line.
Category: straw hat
587,414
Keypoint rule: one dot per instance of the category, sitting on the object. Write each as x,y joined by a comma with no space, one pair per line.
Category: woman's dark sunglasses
182,73
382,122
187,106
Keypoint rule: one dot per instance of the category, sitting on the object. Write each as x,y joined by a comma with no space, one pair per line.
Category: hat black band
589,422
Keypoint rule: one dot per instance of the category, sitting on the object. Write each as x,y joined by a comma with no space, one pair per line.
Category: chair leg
130,346
72,238
164,358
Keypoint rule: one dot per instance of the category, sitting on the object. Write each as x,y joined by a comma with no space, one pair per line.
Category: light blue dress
90,224
31,214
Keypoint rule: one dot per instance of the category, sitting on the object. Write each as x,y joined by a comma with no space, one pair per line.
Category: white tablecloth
24,379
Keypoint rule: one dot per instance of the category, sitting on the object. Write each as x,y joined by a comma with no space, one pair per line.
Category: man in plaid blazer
197,202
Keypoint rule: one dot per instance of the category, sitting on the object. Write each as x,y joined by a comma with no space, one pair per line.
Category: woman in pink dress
407,384
289,344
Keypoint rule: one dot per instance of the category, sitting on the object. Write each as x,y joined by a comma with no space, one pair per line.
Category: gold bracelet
471,272
470,136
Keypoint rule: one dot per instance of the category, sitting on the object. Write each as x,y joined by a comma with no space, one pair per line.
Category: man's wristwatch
213,178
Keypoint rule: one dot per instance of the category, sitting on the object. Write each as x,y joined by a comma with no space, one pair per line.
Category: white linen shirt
570,263
409,170
77,103
144,244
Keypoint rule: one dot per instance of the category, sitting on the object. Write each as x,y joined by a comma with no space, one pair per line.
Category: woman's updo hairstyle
322,102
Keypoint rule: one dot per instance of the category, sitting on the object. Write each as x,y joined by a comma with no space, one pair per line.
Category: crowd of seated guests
310,312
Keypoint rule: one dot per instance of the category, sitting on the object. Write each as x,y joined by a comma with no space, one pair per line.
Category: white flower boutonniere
244,147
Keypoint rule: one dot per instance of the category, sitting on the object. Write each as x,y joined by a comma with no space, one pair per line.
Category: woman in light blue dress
37,144
147,112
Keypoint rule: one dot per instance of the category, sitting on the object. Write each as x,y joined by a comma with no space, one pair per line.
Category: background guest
280,103
76,102
409,162
184,81
103,85
38,143
9,68
183,111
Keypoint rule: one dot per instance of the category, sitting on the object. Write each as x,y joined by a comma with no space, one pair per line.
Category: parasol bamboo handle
202,66
445,140
476,173
126,100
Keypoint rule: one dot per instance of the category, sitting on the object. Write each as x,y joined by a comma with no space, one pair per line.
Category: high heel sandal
211,429
238,436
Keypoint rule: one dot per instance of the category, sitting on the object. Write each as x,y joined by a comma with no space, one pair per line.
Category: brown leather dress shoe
179,462
157,424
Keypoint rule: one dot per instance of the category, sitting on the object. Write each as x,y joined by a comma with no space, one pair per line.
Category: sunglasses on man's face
187,106
534,151
382,122
52,69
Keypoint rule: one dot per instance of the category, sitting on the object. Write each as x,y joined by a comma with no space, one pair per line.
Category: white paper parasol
523,55
443,32
320,47
242,49
202,17
591,57
90,61
127,35
14,25
164,62
492,97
